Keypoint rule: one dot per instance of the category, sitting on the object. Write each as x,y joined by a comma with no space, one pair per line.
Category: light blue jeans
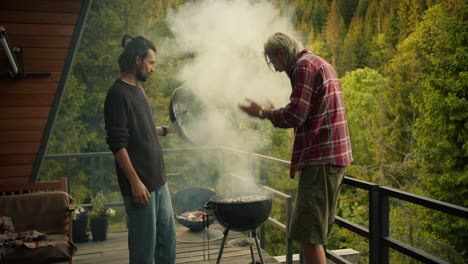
151,229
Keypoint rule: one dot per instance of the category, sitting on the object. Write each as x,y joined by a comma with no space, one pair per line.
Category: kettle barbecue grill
241,212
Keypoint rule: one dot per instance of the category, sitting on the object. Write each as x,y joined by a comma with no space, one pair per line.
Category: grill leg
222,246
251,249
258,246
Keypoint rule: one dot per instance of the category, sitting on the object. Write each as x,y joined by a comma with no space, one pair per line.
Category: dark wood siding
48,31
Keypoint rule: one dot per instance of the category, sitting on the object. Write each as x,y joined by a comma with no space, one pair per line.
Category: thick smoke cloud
226,38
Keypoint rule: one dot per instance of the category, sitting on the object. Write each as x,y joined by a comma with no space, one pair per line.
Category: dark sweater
129,124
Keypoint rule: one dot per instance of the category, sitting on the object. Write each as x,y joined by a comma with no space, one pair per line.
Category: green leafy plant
98,209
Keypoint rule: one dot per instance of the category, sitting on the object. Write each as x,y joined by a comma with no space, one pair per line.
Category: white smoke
227,38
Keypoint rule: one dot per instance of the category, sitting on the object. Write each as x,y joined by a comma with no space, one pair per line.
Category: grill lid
189,117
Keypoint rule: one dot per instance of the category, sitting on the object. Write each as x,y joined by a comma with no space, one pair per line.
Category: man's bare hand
270,107
252,108
140,193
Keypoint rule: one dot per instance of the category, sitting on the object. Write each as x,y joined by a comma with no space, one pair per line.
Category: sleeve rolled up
117,138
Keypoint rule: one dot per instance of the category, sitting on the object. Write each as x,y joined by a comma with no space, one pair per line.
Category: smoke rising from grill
226,38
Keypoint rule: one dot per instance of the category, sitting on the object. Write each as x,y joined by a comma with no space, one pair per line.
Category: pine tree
334,34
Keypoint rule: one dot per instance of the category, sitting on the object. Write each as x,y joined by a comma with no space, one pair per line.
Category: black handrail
440,206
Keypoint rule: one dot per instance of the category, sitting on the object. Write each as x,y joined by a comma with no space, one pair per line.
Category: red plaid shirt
316,111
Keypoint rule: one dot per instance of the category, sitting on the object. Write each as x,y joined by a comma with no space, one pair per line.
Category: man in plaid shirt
322,146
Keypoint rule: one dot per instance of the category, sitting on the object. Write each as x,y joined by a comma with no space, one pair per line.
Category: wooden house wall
48,31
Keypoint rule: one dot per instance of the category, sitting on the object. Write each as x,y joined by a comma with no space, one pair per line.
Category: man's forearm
140,193
126,165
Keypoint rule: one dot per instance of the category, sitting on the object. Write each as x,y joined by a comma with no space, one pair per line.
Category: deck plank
114,250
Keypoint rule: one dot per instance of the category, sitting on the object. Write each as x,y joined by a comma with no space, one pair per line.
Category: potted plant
80,222
80,225
99,217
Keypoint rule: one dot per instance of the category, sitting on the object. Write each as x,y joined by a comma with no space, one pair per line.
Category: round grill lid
189,117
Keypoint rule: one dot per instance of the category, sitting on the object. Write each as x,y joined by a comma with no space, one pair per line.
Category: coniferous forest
403,66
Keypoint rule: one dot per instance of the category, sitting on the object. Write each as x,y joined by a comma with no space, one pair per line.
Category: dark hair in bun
137,47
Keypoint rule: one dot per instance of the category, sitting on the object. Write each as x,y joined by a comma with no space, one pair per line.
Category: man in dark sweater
132,136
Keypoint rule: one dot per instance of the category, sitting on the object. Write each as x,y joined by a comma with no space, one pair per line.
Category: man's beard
141,77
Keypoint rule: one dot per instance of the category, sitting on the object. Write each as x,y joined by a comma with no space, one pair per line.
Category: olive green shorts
314,210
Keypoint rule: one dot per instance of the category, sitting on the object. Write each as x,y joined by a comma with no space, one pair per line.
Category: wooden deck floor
190,249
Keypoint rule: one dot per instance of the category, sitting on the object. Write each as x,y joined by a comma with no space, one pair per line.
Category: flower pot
80,225
99,227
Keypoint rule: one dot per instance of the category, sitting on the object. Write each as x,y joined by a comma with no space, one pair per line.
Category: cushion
45,212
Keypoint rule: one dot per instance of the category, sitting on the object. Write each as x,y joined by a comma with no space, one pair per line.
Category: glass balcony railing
228,170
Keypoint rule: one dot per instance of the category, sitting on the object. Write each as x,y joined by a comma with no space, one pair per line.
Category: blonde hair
282,41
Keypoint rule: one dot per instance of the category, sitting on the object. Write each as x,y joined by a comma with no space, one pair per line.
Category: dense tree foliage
404,70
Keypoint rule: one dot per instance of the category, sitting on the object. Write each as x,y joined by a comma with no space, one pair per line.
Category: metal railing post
253,167
93,172
227,180
384,223
101,171
101,177
289,242
68,175
262,181
378,254
374,239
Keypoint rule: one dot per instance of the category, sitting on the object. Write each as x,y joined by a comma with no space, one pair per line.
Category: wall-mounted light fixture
8,50
18,68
